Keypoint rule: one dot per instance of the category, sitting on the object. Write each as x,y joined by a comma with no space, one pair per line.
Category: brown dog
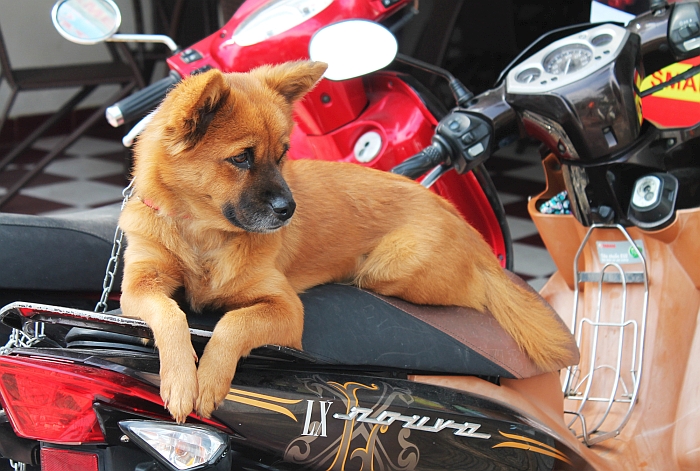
212,212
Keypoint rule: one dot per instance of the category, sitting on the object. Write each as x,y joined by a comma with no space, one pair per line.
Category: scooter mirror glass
353,48
86,21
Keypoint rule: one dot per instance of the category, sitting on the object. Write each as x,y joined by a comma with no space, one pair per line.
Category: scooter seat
57,253
344,325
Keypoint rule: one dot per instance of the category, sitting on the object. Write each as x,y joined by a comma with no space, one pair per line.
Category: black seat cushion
57,253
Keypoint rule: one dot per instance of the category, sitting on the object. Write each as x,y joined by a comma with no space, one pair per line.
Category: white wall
32,41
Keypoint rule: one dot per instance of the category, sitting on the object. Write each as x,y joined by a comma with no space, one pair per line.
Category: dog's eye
284,153
242,160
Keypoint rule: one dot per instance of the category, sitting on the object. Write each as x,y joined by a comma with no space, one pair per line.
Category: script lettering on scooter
414,422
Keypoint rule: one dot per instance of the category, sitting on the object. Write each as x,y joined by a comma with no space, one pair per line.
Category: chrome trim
114,116
144,38
86,319
580,389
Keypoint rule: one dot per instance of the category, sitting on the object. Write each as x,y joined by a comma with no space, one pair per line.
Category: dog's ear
191,107
292,80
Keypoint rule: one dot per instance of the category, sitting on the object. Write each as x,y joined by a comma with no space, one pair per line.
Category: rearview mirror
86,21
95,21
353,48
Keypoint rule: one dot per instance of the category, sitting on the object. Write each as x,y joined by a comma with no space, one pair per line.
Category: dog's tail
531,323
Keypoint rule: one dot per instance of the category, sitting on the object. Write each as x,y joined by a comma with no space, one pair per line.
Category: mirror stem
461,93
145,38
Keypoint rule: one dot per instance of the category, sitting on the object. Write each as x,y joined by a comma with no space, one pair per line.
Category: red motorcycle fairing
397,113
392,109
221,51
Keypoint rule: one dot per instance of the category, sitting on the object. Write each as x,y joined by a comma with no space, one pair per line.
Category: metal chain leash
113,262
32,334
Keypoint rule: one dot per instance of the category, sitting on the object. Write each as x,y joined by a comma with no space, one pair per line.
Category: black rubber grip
417,165
140,102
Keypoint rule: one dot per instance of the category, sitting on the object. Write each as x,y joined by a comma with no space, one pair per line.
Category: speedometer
567,59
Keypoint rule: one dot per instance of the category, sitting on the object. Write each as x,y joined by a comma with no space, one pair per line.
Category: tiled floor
520,172
91,174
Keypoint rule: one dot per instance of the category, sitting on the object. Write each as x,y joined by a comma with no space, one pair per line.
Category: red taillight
52,401
53,459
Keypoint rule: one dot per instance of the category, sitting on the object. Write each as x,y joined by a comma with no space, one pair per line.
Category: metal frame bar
594,434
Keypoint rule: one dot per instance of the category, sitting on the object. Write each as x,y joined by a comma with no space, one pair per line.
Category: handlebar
462,141
417,165
144,100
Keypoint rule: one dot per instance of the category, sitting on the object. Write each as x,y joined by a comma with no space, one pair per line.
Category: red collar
149,202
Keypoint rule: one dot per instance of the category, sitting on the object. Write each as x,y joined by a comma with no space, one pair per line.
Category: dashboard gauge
567,59
601,40
528,75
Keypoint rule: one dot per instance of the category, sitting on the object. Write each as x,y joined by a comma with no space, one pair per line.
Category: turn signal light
181,447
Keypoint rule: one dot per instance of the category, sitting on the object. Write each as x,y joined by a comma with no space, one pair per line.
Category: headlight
275,18
180,446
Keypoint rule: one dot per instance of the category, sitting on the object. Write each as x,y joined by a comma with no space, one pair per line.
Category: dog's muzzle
263,217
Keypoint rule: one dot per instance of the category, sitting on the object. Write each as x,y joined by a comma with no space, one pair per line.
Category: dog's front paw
178,388
214,384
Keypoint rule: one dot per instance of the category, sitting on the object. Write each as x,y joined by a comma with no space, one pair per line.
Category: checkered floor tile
91,173
518,170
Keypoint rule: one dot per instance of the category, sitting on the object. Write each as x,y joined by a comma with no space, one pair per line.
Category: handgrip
417,165
143,100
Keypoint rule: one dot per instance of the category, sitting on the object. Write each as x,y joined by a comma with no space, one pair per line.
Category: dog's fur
211,214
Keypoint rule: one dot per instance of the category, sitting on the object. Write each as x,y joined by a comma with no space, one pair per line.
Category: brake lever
435,174
130,137
462,141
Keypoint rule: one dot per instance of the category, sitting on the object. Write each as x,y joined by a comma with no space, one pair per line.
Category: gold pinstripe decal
541,448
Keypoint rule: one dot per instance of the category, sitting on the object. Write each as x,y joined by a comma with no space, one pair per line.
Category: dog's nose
283,208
